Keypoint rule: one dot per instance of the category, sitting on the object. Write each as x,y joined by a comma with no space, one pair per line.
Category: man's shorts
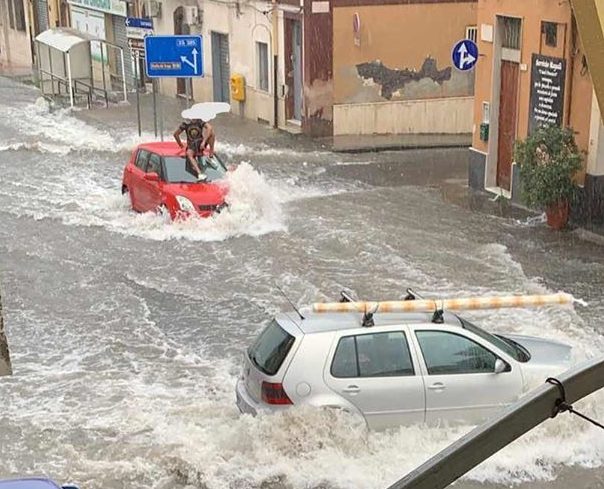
195,146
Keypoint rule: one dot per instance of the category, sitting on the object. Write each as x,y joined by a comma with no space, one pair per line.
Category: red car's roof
166,148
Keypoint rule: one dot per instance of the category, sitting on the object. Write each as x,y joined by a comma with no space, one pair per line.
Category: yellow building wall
578,88
401,37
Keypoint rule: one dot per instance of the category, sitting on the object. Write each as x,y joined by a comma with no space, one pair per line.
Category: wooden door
508,99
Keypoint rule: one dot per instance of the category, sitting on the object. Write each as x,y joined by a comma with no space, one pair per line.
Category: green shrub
548,160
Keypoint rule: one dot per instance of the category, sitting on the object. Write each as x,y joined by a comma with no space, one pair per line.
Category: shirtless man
200,138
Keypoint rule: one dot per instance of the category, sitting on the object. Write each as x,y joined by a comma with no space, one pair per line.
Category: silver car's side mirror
500,366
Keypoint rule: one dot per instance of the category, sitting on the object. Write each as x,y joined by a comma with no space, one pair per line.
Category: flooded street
126,332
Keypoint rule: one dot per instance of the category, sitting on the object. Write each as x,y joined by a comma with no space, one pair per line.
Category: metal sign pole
155,106
138,99
188,91
161,112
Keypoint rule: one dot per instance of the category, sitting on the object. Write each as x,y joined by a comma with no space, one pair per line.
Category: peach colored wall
400,36
578,90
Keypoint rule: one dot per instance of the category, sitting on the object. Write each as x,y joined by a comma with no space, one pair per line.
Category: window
271,348
550,31
373,355
472,33
16,14
154,165
262,55
180,169
506,345
19,15
11,14
449,353
511,32
141,159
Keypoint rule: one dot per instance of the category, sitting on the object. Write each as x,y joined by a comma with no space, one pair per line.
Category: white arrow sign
465,58
193,64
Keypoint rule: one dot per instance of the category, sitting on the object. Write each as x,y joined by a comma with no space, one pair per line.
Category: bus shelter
65,64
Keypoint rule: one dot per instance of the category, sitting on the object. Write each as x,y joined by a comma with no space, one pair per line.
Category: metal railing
78,87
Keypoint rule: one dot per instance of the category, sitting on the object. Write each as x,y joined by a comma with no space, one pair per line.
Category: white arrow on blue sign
139,22
464,55
174,56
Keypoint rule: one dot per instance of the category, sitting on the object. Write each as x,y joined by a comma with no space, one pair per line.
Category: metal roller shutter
119,34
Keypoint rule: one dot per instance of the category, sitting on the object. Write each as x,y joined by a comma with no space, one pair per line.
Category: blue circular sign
464,55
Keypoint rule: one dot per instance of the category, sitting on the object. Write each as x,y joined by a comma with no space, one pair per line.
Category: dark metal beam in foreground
5,367
482,442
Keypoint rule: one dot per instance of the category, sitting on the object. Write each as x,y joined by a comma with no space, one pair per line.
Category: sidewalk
235,128
382,142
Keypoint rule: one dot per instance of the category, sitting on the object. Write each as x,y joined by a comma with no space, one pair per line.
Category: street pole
154,83
138,100
161,112
188,90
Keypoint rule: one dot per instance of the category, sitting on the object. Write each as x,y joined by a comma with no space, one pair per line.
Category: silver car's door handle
437,386
352,389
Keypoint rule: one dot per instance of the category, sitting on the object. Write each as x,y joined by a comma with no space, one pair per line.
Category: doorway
293,69
221,72
508,98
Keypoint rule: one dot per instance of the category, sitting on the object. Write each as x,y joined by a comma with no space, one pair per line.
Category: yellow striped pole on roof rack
462,304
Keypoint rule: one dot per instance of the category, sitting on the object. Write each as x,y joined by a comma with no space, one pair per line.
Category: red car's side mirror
152,177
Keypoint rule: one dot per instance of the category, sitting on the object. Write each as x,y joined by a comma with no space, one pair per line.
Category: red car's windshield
178,170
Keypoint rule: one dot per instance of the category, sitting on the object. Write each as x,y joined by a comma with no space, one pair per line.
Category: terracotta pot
557,215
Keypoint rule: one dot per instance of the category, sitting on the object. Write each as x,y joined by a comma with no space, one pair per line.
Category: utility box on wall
238,87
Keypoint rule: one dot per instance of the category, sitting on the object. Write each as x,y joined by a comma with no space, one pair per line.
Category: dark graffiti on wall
392,80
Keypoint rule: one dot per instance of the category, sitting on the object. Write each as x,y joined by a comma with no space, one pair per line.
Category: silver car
395,369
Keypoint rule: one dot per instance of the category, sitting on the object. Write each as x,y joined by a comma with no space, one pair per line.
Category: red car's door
150,191
135,179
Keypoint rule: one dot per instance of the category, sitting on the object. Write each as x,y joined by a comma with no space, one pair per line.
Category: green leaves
548,160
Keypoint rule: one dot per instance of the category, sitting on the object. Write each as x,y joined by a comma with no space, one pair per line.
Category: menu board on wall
547,91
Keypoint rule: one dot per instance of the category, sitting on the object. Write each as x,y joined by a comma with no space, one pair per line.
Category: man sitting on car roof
200,138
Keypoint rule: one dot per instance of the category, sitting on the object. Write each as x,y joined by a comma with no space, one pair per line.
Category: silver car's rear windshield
271,348
179,170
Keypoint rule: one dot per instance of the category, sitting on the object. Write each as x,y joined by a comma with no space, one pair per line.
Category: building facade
326,67
392,64
532,70
15,40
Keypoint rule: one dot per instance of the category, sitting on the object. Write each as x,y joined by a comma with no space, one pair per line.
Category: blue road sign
174,56
465,55
140,23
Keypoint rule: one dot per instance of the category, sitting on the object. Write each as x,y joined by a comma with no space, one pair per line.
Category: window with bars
19,15
511,32
16,14
262,63
472,33
550,31
11,14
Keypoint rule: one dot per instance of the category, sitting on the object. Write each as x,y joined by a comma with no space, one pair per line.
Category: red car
159,178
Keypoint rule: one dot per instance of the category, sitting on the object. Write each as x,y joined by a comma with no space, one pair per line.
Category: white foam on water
59,132
89,201
238,149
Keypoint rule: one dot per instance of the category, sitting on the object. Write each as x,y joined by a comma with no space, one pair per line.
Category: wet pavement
126,332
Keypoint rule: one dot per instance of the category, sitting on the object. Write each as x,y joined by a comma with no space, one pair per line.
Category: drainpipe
275,47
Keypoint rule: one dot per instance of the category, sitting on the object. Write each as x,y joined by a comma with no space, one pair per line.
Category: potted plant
548,160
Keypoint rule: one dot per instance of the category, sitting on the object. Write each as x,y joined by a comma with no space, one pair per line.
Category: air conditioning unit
191,15
155,8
